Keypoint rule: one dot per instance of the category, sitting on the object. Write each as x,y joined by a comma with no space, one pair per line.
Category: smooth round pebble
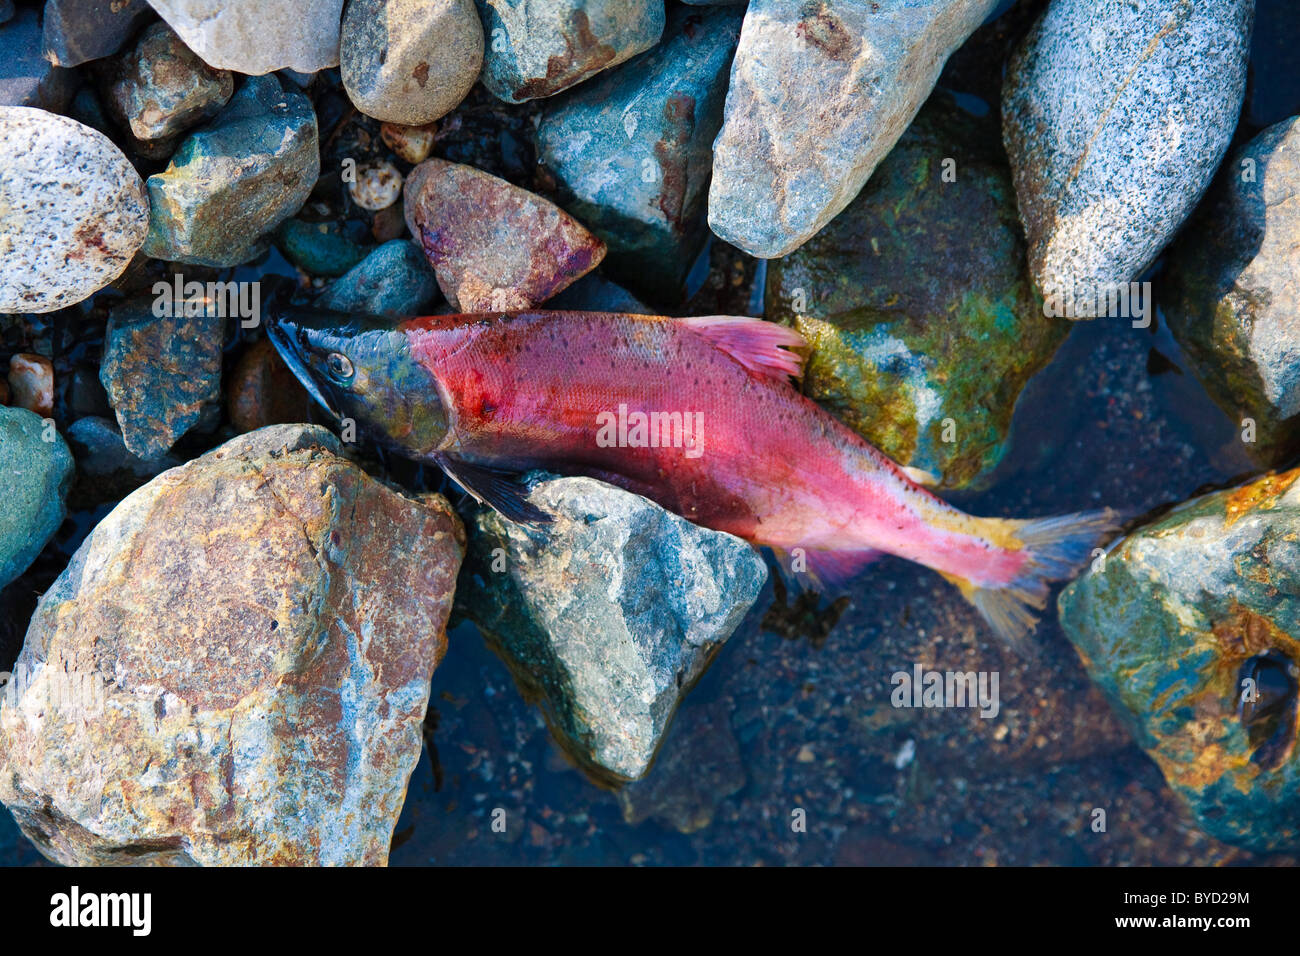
376,186
72,211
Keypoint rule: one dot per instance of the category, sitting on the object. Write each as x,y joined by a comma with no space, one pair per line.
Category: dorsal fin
760,346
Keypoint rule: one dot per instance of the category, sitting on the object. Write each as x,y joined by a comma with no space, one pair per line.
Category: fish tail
1057,548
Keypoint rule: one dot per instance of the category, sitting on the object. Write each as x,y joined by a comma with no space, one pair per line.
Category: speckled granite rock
1232,290
540,47
917,304
162,374
493,245
258,36
236,179
820,92
1115,116
244,647
74,211
1192,629
26,77
159,88
608,615
634,148
76,31
37,474
410,61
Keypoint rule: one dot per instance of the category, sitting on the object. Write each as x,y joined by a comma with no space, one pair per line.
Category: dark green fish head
360,368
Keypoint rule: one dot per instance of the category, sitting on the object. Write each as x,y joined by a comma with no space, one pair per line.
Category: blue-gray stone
395,279
26,77
36,476
634,148
236,179
77,31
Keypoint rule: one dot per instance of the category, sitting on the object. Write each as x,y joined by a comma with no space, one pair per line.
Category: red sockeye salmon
696,414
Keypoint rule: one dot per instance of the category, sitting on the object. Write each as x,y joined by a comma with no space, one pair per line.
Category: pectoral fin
501,490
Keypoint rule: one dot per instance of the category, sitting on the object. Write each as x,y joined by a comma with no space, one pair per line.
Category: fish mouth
289,338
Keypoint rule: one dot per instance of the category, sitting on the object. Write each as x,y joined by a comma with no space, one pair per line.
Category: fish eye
339,366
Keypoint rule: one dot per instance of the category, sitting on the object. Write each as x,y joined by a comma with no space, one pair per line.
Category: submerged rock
162,373
394,280
262,391
31,383
244,647
37,472
493,245
76,31
236,179
820,92
74,211
26,77
540,47
106,469
609,615
410,61
922,320
258,36
1232,291
1191,627
1115,116
159,88
634,148
318,248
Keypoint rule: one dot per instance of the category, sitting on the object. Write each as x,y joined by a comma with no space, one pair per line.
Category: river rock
539,47
1232,290
608,615
262,391
37,469
236,179
74,211
160,88
820,92
493,245
411,143
162,373
394,280
376,185
106,469
410,61
31,383
922,318
26,77
319,248
1115,116
77,31
1191,627
634,148
258,36
250,640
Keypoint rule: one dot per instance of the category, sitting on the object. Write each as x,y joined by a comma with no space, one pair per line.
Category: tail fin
1058,547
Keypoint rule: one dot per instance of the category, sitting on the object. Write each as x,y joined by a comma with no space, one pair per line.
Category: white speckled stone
258,36
72,211
1116,115
820,92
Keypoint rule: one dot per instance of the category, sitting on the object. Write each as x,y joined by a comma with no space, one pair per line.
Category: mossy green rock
1181,625
37,474
923,324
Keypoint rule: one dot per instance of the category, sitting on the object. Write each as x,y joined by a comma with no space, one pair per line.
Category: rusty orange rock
262,391
493,245
242,653
31,381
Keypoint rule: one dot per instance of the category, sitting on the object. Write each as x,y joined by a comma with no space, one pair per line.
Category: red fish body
699,415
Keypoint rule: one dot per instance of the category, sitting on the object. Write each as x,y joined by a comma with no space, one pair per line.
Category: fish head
360,368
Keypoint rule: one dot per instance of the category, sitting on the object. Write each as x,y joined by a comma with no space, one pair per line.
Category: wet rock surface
410,61
258,36
537,48
236,179
1115,118
922,319
608,615
75,211
200,743
37,470
1190,626
1234,290
78,31
634,149
493,245
819,95
395,279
